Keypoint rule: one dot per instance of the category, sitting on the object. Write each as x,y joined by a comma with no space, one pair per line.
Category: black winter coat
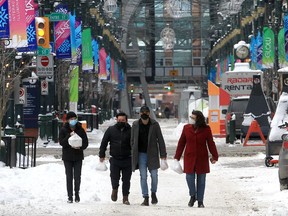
69,153
119,140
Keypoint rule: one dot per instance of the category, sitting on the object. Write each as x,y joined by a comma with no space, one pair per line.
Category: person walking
118,136
72,156
196,139
147,144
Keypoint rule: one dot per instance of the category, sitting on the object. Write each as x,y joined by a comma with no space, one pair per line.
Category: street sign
54,17
22,95
44,87
43,51
45,66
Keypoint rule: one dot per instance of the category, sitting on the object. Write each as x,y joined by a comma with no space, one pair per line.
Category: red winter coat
195,143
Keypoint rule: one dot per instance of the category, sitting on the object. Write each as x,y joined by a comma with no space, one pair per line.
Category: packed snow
235,186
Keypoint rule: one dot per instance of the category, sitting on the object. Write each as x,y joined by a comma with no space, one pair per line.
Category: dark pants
116,166
73,167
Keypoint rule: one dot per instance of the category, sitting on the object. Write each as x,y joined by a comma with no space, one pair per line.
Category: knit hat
70,115
144,109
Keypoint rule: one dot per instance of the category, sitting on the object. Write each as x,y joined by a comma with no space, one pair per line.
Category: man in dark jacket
147,146
118,136
72,156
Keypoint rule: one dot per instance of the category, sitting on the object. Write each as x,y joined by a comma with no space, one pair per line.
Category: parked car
238,107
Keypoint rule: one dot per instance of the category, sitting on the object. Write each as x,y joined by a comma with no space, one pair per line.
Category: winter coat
119,140
69,153
156,145
195,143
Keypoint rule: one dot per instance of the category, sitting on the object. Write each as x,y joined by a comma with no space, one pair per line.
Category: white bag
101,166
176,166
75,141
163,164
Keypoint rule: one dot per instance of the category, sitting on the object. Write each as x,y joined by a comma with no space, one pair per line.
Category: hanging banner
102,64
62,34
87,57
259,51
286,35
73,38
74,77
30,27
17,24
116,72
95,50
253,53
78,32
268,48
108,67
4,21
121,83
281,49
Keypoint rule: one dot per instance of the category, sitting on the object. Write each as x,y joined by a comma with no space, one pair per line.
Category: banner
87,57
102,64
286,35
268,48
259,50
73,38
74,77
253,53
108,67
17,24
95,50
121,80
4,21
30,27
62,35
78,32
281,49
116,72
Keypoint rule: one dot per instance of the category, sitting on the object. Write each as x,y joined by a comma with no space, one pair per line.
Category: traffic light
131,88
43,32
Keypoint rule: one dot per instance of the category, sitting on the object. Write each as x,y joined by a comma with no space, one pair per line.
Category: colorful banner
62,35
78,32
4,21
74,77
73,38
30,27
281,49
268,48
95,50
286,35
17,23
102,64
121,80
253,53
108,67
259,51
87,57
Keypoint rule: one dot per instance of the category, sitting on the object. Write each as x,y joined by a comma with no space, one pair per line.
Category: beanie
70,115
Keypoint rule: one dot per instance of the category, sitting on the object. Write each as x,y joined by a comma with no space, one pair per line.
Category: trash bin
8,151
45,125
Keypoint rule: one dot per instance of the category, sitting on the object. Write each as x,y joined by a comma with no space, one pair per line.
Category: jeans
143,175
73,169
116,168
201,180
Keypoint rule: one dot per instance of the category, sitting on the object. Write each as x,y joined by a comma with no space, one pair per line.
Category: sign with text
45,66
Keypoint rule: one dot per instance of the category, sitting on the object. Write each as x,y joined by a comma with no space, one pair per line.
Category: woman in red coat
195,139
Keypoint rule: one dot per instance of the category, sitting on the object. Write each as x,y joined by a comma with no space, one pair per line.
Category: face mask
192,121
73,122
144,116
121,124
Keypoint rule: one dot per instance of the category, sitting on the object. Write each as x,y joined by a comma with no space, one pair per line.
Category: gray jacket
156,144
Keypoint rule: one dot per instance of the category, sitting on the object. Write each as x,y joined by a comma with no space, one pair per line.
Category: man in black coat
72,156
118,136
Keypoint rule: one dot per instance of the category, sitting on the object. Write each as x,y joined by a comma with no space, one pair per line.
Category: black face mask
121,124
144,116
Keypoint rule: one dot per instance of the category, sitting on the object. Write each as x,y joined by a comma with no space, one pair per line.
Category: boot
114,195
145,202
191,201
200,204
125,200
77,198
154,198
70,199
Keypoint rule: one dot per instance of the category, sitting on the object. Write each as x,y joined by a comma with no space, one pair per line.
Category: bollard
232,129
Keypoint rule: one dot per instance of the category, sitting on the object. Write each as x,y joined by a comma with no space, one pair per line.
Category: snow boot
70,199
200,204
154,198
145,202
77,198
114,195
191,201
125,200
